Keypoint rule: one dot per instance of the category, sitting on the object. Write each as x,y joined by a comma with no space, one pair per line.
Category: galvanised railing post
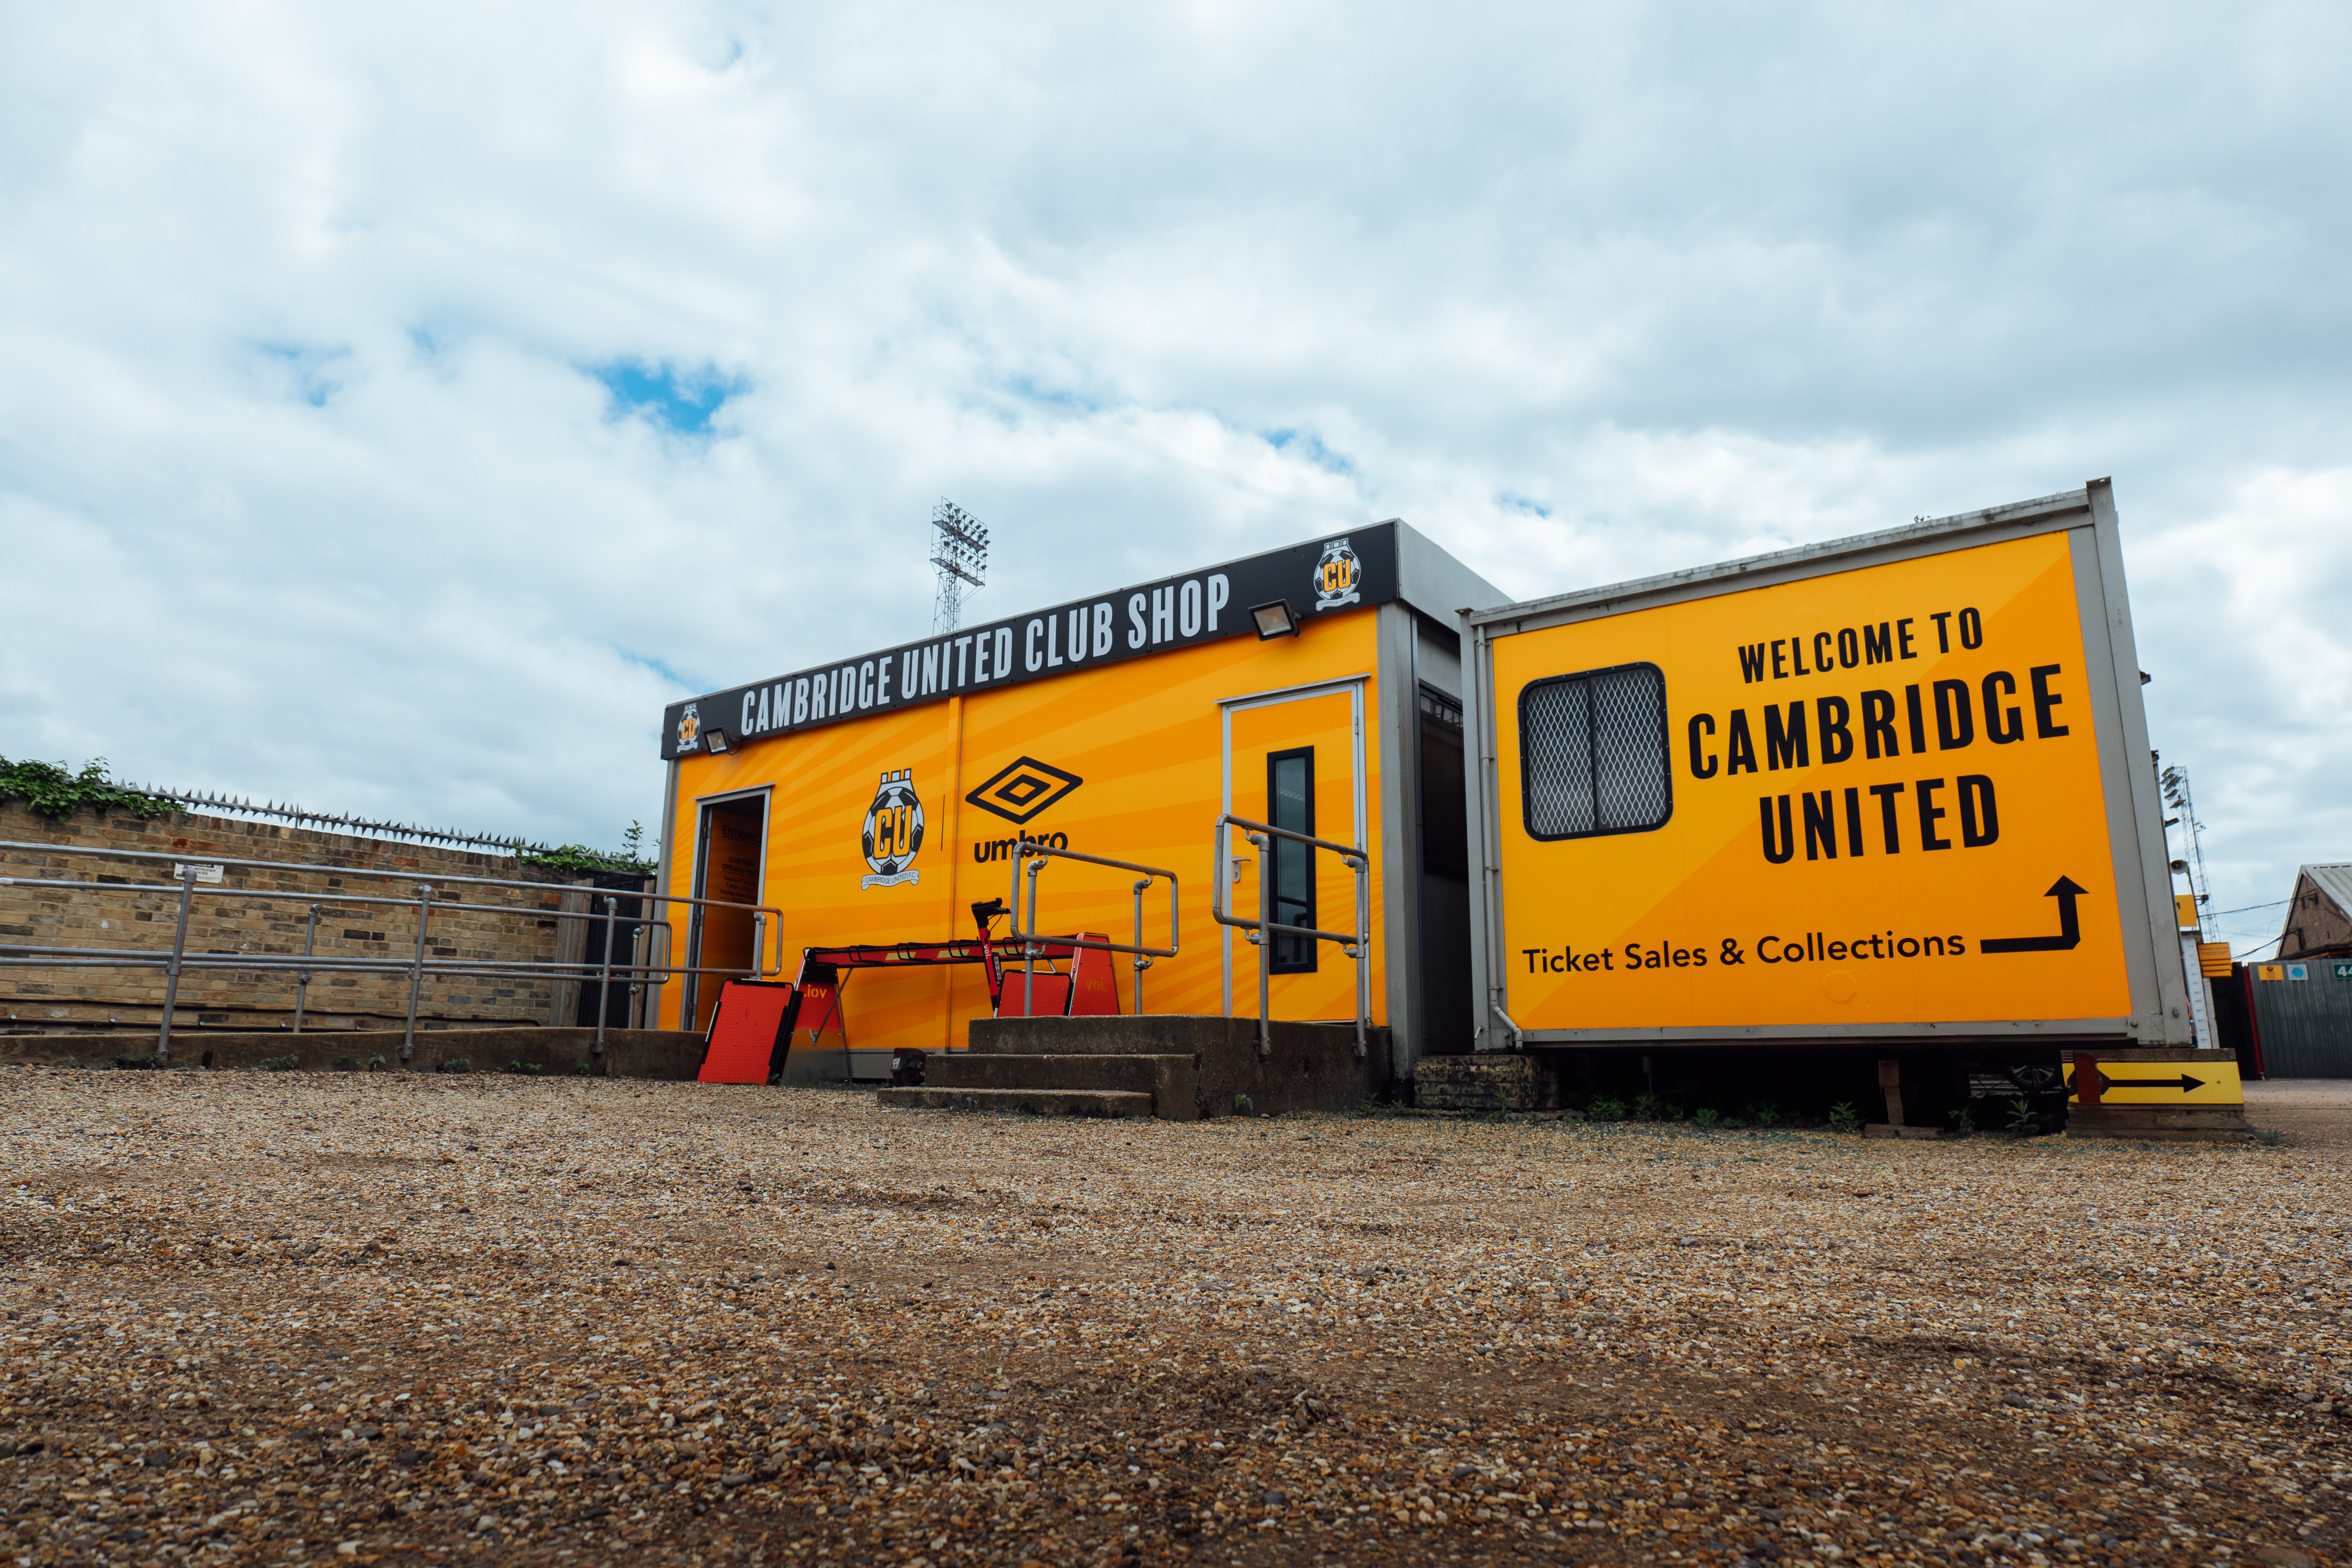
172,975
605,980
1141,963
1264,845
302,980
1029,952
416,970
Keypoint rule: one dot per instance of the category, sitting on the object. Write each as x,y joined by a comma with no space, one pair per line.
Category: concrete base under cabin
1177,1067
628,1053
1492,1080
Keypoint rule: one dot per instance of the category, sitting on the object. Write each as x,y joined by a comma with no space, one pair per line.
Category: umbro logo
1024,789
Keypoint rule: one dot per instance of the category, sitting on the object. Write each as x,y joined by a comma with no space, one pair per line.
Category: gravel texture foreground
309,1319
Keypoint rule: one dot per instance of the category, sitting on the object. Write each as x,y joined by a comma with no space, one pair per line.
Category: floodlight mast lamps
2175,780
961,554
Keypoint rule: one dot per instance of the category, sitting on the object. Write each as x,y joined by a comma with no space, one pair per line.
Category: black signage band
1331,575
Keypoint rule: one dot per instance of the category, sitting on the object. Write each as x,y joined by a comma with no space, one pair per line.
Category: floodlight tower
2175,780
960,553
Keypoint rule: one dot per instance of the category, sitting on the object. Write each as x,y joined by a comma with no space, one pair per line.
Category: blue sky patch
1522,503
683,401
309,366
1308,445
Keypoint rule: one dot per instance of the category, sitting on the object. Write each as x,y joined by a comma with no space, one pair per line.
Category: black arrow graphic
2184,1083
2070,929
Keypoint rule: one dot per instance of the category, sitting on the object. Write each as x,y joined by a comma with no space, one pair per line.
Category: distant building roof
2319,921
2335,880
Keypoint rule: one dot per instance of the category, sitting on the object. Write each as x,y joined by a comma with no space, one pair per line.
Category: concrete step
1035,1101
1171,1080
1311,1066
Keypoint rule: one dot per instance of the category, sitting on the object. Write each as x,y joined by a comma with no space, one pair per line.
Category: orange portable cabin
878,802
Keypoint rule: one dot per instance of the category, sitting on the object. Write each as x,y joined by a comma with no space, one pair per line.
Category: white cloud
309,487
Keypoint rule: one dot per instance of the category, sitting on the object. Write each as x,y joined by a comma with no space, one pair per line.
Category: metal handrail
28,955
1355,857
1029,939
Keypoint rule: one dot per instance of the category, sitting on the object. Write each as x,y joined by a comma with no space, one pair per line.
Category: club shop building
873,802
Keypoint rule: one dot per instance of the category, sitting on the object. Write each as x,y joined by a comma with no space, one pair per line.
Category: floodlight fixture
715,739
1274,620
960,553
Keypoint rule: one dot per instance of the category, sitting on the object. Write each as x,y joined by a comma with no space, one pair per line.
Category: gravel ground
302,1318
2316,1112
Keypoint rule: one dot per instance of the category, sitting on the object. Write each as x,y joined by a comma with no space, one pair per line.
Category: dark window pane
1290,791
1592,753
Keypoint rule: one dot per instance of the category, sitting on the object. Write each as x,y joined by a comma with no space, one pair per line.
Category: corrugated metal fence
2306,1025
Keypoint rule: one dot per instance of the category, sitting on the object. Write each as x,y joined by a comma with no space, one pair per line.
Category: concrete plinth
628,1053
1178,1067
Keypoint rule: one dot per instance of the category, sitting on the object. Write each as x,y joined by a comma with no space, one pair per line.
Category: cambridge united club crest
689,725
894,831
1336,576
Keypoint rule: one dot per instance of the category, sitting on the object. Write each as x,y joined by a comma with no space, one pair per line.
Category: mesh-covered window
1592,753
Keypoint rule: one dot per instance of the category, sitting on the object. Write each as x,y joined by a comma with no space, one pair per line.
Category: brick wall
468,924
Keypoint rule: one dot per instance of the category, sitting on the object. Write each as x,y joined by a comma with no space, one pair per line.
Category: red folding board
751,1030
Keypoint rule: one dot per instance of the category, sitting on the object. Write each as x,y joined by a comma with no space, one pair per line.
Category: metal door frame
696,868
1353,687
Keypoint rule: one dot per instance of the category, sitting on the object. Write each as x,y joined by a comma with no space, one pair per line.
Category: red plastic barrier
751,1032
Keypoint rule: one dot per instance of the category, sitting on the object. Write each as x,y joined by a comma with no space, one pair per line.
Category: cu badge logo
689,725
1337,575
894,831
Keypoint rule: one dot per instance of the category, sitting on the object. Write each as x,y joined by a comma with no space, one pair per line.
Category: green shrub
457,1064
1764,1113
136,1064
1843,1117
374,1062
1244,1106
2021,1116
1962,1122
344,1064
1706,1116
524,1070
279,1064
47,790
2268,1137
1735,1121
1606,1110
1650,1108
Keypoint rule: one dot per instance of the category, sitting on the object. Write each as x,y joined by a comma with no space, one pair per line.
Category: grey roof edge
2333,877
1430,579
2077,499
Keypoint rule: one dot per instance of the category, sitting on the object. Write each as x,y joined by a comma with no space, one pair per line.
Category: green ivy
48,790
629,860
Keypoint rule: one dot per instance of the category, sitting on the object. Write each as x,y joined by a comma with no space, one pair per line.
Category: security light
1274,620
715,739
2181,867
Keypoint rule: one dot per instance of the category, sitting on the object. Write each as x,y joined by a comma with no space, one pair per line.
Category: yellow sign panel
1868,797
2270,972
2213,958
2163,1083
2184,910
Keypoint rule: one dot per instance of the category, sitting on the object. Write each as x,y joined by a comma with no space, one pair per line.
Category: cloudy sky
402,403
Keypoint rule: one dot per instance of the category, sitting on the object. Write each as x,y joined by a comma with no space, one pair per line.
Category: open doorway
1446,1024
730,846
